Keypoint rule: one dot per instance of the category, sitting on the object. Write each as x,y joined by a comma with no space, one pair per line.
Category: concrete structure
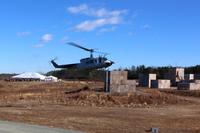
196,76
188,86
189,77
118,82
161,84
197,81
175,75
145,79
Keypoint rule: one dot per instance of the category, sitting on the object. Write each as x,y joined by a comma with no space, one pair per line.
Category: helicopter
91,62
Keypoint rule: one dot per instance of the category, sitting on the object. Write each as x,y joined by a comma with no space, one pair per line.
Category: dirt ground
78,106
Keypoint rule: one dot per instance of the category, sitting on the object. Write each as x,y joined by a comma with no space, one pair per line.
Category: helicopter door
100,60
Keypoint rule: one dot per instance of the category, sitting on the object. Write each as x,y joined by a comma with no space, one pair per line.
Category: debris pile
138,99
83,95
189,93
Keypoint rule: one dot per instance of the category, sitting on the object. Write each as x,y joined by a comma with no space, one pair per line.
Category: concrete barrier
189,77
145,79
188,86
196,76
119,82
176,75
161,84
197,81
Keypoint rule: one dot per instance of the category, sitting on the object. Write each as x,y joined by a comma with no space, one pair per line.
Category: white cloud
91,25
103,30
102,16
43,40
146,26
46,38
78,9
101,12
22,34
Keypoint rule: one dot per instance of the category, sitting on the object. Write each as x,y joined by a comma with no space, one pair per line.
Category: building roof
29,75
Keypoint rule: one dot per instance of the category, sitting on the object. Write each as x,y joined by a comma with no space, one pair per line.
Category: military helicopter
87,63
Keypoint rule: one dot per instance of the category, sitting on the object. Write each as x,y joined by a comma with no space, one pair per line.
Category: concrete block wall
161,84
120,84
197,81
189,77
118,77
123,88
145,79
196,76
188,86
175,75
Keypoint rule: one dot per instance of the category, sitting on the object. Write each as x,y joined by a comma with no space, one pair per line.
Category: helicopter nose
109,62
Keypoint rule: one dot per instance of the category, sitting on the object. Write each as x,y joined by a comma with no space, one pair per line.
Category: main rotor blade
81,47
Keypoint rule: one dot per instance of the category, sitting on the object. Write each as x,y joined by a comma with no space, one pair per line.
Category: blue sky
134,32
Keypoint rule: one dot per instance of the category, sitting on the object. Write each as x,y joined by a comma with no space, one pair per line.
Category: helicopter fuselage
87,63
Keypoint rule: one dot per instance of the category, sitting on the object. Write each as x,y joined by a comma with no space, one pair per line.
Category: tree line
75,74
6,76
133,72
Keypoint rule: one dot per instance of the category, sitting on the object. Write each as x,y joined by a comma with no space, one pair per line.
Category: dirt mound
156,97
83,94
1,86
189,93
149,97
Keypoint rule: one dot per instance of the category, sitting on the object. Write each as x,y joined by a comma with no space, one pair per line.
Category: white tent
30,75
51,79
